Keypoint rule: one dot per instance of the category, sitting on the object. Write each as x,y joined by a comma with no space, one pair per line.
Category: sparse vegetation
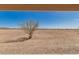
43,42
29,27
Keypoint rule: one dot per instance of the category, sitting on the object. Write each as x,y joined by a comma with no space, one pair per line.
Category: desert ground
56,41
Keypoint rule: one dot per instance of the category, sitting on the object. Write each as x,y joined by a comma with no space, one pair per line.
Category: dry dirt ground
43,42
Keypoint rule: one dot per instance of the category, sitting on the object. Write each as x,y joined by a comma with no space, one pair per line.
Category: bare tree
29,27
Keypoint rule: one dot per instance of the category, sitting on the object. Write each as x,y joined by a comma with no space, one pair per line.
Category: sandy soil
43,42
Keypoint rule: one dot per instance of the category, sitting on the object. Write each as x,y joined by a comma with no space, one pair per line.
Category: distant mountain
7,28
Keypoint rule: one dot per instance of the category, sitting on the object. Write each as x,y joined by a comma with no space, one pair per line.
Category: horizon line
43,28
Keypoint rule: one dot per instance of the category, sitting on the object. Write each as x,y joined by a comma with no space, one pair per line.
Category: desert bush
29,27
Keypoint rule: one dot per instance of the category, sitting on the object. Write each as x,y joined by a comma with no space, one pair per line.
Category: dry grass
43,42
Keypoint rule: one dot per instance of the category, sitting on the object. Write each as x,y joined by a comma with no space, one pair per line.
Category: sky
46,19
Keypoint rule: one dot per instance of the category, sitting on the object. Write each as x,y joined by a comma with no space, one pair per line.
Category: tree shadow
22,39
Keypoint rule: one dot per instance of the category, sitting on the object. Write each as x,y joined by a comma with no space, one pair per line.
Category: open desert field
43,42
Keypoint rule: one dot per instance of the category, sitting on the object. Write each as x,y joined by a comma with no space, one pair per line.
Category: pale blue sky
47,19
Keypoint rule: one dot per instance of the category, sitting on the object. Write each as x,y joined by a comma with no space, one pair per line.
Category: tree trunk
30,36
